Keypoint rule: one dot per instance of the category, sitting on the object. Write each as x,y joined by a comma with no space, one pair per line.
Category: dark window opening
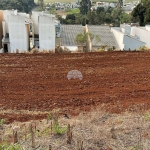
36,35
5,48
7,35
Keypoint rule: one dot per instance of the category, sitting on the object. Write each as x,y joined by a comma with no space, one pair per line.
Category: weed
10,147
46,131
144,48
146,117
59,130
34,50
136,148
2,122
49,117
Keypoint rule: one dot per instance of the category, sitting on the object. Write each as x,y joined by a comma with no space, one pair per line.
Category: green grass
68,1
73,11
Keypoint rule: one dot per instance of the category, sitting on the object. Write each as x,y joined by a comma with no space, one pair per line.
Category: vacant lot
38,82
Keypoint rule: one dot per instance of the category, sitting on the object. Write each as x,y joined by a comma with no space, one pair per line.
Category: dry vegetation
95,130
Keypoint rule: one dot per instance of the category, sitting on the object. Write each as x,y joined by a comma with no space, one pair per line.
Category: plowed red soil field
38,82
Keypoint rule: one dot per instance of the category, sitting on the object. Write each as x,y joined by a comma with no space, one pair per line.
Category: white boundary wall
142,34
131,43
126,42
119,36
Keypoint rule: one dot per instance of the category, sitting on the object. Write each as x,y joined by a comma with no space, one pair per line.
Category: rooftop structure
105,34
69,33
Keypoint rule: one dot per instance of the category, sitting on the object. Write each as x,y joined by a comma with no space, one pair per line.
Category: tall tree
139,12
20,5
100,9
85,6
116,16
120,3
125,18
41,3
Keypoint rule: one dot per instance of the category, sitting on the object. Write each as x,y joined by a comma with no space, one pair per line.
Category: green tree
120,3
91,17
78,18
99,19
125,18
138,13
81,38
116,13
41,3
20,5
147,16
85,6
100,9
108,18
71,17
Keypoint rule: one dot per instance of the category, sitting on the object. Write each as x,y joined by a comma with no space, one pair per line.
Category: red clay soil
39,82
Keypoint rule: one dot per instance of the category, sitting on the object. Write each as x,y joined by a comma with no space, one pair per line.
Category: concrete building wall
19,34
126,29
131,43
141,34
119,36
46,33
6,14
23,15
1,27
35,19
4,28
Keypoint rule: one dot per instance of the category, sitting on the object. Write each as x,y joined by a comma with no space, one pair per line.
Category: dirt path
39,82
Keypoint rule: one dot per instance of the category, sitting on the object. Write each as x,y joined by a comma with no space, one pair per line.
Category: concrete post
88,40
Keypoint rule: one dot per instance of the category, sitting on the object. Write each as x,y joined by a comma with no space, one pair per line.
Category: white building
43,31
16,31
131,37
1,29
105,4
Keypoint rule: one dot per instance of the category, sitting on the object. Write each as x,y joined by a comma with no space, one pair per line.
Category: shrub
34,50
10,147
46,51
110,49
59,130
144,48
2,122
59,49
100,50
